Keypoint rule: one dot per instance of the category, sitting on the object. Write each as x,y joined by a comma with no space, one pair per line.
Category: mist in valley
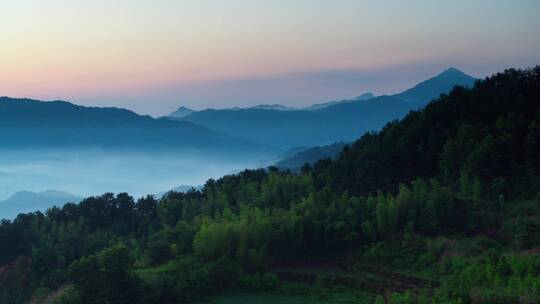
92,172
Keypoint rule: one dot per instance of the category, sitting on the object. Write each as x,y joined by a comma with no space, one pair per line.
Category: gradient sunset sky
153,56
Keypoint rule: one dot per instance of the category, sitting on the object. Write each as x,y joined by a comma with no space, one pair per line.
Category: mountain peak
431,88
452,70
365,96
181,112
29,201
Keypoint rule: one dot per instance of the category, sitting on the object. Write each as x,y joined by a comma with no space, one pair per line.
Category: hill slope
27,201
320,106
490,130
430,89
286,129
58,124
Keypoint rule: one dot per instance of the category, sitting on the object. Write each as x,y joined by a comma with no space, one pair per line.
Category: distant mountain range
184,111
263,129
28,201
35,124
320,106
326,123
286,129
274,107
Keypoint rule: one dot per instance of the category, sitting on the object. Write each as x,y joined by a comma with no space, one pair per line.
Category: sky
153,56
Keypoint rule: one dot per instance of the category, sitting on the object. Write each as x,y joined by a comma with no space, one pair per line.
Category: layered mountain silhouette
286,129
35,124
320,106
326,123
28,201
274,107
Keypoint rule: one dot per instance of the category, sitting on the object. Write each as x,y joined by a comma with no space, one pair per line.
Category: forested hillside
488,132
440,207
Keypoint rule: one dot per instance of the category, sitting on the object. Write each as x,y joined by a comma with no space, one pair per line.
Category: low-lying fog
86,173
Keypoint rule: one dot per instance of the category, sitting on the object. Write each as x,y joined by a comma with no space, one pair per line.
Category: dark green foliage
105,278
507,279
180,280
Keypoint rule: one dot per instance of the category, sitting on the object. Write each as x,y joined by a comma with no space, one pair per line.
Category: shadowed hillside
430,89
286,129
31,124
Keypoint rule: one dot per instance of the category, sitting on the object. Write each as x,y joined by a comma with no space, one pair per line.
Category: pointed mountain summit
181,112
430,89
365,96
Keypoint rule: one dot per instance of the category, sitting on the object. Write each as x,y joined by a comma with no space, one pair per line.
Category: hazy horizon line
309,87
